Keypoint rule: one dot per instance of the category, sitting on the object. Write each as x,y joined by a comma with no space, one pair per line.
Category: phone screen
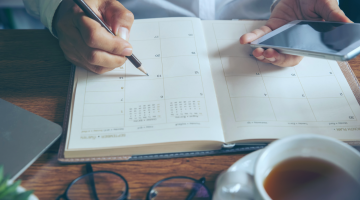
317,36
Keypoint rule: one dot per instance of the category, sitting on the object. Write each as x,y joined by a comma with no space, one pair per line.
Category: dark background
351,9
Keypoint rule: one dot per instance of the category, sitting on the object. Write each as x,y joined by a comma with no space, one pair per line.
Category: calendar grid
149,110
267,93
262,78
162,71
344,94
237,71
82,119
125,93
138,131
202,82
306,96
222,65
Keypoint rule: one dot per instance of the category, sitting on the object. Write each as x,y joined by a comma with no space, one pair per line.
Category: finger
330,11
102,58
76,46
264,61
75,58
282,60
258,53
255,34
97,57
96,36
98,69
93,68
119,18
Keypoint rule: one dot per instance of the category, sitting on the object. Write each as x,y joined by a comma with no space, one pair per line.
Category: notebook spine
66,114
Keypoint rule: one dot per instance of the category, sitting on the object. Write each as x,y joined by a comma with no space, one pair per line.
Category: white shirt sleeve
43,10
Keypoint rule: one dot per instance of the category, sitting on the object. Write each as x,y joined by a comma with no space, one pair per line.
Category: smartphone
328,40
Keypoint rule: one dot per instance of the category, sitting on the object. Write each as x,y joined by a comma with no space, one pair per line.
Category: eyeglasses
108,185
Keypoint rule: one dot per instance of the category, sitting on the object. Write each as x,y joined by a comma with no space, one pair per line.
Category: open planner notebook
204,89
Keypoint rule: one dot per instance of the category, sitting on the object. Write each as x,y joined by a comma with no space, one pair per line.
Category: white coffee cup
238,184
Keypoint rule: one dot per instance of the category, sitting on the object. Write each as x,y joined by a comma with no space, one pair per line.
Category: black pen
90,13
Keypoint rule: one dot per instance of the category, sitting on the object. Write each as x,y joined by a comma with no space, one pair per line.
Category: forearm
43,10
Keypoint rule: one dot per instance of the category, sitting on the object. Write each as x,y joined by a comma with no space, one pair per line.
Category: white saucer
239,175
247,163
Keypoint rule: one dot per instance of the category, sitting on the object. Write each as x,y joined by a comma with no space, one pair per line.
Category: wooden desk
34,75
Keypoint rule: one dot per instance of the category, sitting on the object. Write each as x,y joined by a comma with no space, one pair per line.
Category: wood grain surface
35,75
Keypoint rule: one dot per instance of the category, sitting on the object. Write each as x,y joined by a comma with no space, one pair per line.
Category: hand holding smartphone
328,40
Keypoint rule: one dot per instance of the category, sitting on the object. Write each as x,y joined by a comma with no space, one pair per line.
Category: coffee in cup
310,178
305,166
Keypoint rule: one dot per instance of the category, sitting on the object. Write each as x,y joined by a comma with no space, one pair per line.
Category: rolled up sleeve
43,10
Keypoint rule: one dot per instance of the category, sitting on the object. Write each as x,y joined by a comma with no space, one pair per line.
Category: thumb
118,18
330,11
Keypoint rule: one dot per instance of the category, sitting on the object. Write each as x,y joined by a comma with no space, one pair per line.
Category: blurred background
14,16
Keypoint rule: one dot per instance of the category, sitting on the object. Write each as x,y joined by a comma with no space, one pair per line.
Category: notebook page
176,102
262,101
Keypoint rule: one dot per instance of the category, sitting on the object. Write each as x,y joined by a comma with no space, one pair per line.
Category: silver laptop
24,136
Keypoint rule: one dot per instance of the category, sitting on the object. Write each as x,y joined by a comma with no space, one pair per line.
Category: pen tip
147,74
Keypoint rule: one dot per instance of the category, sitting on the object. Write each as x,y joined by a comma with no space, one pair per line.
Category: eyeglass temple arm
195,189
89,169
61,197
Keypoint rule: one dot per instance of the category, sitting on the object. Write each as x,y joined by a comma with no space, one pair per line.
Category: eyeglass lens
97,186
179,189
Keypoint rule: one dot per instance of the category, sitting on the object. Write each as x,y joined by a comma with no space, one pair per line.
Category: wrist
59,14
55,20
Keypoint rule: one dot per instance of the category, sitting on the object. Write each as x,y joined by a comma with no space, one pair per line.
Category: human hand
289,10
86,43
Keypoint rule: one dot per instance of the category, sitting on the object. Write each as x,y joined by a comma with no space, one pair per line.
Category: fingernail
127,52
123,33
272,59
260,57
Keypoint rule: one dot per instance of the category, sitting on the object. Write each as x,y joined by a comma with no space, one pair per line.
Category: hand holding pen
86,43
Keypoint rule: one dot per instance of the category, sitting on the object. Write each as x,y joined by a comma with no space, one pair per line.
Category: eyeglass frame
124,196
